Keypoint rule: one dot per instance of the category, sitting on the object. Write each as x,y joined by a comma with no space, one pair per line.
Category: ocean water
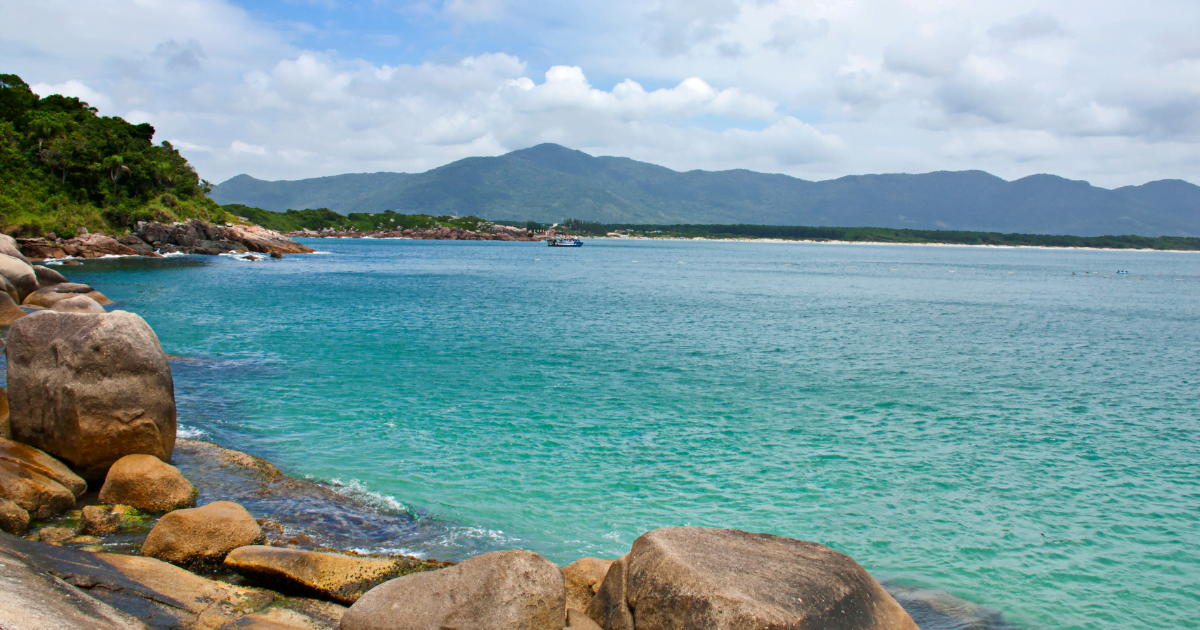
1017,428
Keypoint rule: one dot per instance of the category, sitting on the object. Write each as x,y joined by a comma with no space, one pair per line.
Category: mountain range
549,183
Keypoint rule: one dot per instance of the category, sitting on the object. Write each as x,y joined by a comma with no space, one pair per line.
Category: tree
115,165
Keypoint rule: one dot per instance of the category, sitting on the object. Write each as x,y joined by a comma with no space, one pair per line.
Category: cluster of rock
444,233
155,239
91,399
38,287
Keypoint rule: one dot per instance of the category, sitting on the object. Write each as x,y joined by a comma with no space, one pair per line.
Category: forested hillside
549,183
64,167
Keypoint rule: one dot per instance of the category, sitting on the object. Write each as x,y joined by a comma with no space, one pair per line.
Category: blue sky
1107,91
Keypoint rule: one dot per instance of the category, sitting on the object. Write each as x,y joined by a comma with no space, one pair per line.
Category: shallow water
965,421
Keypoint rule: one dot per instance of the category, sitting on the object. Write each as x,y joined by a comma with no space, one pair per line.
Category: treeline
67,167
884,235
322,218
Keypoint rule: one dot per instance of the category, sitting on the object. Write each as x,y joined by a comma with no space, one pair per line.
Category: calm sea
1015,427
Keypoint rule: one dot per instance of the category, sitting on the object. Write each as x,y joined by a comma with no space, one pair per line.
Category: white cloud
1107,91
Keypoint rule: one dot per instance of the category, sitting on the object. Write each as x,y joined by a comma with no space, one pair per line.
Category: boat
1122,272
564,242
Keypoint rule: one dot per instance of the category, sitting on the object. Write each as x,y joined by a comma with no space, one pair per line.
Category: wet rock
342,578
52,535
9,247
47,277
97,245
200,538
692,577
33,599
78,304
576,620
95,519
90,389
276,255
42,464
136,244
162,595
40,248
148,484
583,578
13,518
9,311
20,274
501,590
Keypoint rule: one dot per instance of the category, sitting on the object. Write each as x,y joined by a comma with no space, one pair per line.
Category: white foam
189,433
356,489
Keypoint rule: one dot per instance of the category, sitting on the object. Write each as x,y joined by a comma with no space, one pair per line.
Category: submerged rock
583,578
342,578
200,538
501,590
148,484
693,577
90,389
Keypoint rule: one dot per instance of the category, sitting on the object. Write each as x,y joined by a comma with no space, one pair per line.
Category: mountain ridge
549,183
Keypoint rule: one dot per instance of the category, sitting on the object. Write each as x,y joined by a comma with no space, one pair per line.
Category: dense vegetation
549,183
320,218
65,167
881,235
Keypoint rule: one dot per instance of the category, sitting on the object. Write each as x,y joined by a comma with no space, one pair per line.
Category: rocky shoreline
444,233
103,531
154,240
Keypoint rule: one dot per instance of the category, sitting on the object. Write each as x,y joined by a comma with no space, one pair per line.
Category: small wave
355,489
171,254
189,433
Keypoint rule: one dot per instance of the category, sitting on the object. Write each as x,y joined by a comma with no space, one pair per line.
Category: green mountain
63,166
549,183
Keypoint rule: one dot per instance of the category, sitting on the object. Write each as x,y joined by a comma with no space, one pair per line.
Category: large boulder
338,577
47,277
97,245
501,590
90,389
200,538
262,240
20,274
79,304
583,578
723,579
39,484
148,484
8,289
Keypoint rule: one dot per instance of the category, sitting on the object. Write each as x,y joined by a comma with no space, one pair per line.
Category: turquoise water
978,421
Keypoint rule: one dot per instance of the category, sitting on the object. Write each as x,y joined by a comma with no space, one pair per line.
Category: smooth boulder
47,277
48,297
35,600
9,247
583,578
724,579
501,590
9,311
78,304
148,484
42,464
7,288
338,577
90,389
200,538
20,274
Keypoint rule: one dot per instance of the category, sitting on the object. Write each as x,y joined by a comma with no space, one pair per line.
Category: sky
1106,91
